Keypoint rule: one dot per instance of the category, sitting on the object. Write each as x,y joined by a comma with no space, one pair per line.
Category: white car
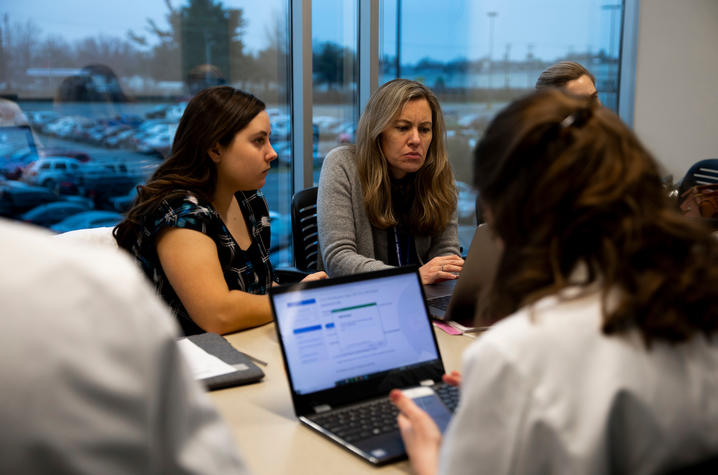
54,173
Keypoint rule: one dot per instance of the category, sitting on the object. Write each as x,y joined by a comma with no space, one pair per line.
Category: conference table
270,438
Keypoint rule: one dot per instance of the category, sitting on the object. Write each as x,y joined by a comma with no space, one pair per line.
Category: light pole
398,39
506,66
492,17
613,9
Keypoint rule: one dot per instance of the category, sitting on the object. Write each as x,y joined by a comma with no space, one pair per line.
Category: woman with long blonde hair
390,200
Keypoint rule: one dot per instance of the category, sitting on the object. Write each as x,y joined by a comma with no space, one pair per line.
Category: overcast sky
442,30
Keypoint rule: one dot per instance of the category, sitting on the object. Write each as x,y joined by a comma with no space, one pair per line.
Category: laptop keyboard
449,395
440,302
361,421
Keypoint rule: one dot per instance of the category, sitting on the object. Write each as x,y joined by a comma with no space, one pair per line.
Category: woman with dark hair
390,200
604,359
200,225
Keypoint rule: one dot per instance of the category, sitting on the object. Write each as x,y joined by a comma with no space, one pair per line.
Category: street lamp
492,17
613,9
398,39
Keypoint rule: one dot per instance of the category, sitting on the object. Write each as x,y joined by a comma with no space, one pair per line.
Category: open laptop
476,276
346,343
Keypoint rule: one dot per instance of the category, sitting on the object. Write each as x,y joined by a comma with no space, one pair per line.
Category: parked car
102,180
119,139
284,154
157,140
64,152
14,163
50,213
466,204
280,230
59,174
347,134
17,197
123,203
158,112
39,119
87,219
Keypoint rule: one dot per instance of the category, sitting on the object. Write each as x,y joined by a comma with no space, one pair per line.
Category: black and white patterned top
247,270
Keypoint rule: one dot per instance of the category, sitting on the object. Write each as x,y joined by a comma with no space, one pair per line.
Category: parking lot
94,155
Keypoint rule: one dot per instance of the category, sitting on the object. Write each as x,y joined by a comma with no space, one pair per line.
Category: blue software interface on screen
342,333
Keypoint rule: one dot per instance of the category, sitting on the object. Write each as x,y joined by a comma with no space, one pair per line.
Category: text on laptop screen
342,333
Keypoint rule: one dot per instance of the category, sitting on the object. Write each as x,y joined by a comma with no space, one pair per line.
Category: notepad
202,364
216,363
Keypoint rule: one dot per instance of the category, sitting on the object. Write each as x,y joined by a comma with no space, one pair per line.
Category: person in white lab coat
91,375
605,354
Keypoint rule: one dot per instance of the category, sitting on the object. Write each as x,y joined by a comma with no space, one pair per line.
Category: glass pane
103,85
481,54
335,72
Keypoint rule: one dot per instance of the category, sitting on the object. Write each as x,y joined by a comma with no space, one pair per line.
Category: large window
102,86
334,68
93,91
477,55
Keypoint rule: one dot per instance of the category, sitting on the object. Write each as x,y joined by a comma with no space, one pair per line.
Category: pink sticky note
447,328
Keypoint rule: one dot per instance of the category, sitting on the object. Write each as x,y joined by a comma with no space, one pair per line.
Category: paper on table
202,364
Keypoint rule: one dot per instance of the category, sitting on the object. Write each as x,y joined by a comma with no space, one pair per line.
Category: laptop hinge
322,408
426,382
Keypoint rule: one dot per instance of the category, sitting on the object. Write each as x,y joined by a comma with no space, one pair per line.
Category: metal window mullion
301,108
368,51
629,52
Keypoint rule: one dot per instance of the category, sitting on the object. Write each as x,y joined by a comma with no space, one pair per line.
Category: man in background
569,76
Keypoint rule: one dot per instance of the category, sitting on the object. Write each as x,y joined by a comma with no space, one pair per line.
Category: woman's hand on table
441,268
315,276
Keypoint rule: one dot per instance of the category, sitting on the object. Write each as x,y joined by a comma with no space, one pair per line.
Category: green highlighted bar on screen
373,304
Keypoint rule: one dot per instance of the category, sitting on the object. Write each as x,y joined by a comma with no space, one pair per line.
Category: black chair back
709,465
703,172
305,234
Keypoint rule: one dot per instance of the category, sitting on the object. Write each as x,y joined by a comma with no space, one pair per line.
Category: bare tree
21,40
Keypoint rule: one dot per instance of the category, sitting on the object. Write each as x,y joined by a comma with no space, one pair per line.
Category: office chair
709,465
305,234
704,172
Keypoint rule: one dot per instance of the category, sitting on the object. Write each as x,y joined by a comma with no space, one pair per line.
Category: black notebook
246,371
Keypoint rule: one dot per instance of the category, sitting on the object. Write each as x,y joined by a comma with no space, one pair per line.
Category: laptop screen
345,332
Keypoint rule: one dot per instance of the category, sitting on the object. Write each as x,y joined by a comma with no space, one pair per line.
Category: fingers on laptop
453,378
420,434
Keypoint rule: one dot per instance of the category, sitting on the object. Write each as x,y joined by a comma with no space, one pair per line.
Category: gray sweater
348,242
